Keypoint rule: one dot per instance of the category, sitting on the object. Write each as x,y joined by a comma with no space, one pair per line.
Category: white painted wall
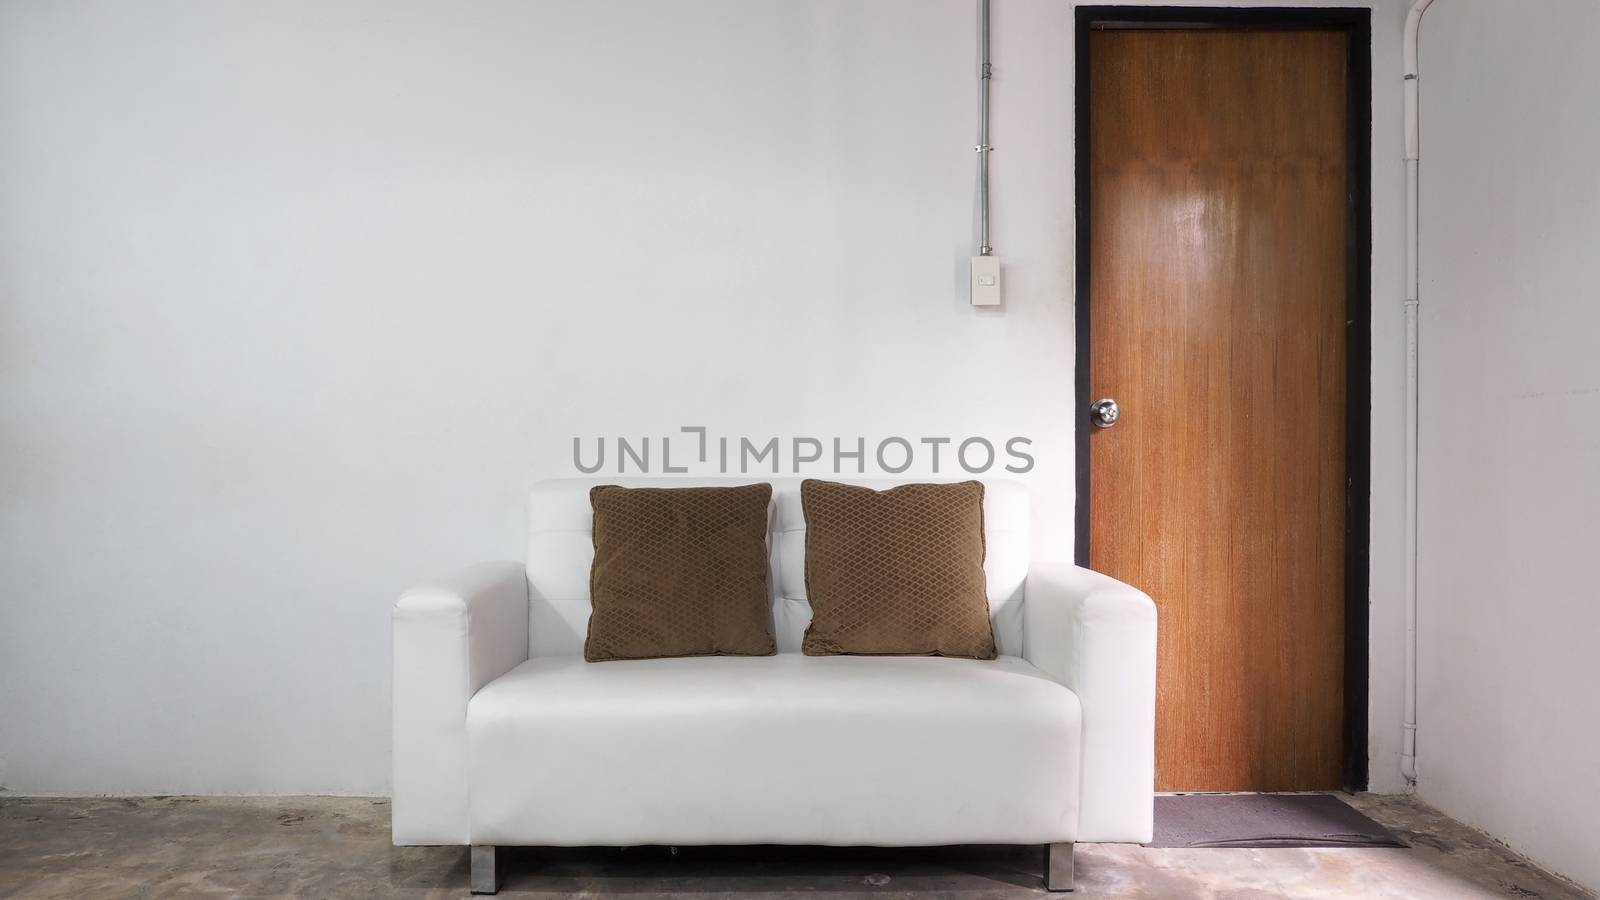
297,298
1509,608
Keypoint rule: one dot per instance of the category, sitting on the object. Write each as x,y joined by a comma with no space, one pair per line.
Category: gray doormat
1264,820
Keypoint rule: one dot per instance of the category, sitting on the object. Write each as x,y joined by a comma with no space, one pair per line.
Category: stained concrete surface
339,847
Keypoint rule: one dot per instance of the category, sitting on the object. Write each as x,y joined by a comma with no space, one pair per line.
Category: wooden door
1218,181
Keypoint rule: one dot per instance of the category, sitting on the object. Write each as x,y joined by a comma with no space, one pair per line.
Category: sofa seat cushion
788,749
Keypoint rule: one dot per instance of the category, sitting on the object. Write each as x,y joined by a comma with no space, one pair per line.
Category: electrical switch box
985,281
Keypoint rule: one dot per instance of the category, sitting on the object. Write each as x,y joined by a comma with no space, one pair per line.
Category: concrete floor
339,847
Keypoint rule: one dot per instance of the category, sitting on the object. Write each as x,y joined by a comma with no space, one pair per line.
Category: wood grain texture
1218,275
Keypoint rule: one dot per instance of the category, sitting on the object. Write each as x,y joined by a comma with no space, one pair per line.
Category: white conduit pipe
985,71
1408,737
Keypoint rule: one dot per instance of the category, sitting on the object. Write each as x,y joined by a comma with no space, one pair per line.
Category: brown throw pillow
897,571
679,572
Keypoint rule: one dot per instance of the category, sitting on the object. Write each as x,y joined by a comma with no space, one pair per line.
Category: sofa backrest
561,550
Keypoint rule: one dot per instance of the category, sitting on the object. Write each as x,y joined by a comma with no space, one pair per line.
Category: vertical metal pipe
984,70
1413,236
1408,722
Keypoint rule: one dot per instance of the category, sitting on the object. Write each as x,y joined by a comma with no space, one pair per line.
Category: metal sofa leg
485,869
1058,867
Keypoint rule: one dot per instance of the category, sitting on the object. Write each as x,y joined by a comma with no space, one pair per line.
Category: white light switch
985,281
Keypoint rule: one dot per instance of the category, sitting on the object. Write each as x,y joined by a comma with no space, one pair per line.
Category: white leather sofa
503,735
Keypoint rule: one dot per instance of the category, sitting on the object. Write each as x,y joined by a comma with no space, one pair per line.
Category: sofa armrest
452,635
1097,636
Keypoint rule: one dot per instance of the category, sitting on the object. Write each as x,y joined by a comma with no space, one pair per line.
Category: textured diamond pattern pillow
897,571
679,572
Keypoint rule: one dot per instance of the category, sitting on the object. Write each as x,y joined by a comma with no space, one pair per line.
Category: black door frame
1357,22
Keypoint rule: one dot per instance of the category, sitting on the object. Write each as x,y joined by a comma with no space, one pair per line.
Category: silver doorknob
1104,413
